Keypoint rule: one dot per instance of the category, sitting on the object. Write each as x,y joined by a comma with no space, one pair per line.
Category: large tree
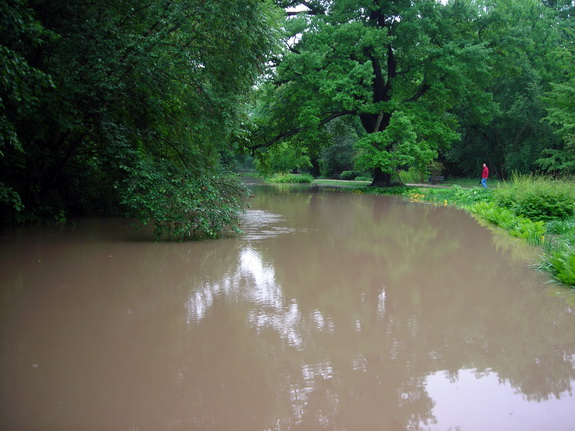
398,66
560,100
126,101
524,36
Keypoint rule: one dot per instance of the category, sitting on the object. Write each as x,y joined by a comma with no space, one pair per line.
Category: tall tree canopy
524,36
398,66
419,75
129,105
560,99
123,100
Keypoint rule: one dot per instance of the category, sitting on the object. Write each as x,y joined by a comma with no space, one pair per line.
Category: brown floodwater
334,311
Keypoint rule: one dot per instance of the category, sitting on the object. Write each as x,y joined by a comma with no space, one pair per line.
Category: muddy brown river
334,311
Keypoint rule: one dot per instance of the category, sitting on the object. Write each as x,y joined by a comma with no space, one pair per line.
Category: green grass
290,179
471,182
341,183
537,198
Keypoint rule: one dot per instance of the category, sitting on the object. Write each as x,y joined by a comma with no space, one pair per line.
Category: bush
435,168
349,175
10,205
539,199
563,265
412,175
291,179
184,206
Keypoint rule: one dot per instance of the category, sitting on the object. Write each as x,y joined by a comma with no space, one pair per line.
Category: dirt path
359,183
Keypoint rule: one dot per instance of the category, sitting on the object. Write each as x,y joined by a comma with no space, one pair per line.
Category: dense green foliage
123,107
559,250
396,68
463,82
184,206
523,36
290,179
99,96
516,225
338,157
282,158
561,109
537,198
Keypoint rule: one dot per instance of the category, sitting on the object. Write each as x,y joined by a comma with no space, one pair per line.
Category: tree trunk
381,179
315,170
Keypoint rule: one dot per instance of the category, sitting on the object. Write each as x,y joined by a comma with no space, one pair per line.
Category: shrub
349,175
545,206
537,198
184,206
435,168
291,179
10,205
413,175
563,264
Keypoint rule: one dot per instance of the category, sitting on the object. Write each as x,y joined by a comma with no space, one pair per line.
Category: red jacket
485,173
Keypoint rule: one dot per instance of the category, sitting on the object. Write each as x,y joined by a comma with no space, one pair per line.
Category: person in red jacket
484,175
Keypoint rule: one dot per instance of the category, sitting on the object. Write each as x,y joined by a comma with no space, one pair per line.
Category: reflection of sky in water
259,280
461,404
254,282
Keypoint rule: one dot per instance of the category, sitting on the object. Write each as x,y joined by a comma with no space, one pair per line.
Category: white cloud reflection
253,285
254,281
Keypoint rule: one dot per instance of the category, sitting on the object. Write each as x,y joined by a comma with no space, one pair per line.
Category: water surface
332,311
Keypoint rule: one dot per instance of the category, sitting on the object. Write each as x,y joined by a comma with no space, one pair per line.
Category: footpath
351,183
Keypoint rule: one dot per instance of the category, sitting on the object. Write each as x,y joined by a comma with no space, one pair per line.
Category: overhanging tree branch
297,130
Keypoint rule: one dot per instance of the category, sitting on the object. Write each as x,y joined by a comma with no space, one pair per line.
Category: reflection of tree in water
337,322
318,389
347,332
425,329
